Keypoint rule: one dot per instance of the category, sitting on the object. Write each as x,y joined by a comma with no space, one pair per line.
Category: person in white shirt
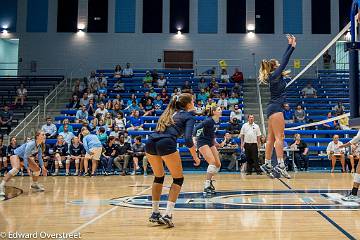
335,151
67,135
102,111
102,79
250,142
224,76
21,94
236,113
352,197
128,71
308,91
223,103
49,128
161,81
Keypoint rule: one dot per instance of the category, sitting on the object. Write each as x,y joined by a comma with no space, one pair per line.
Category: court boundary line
322,214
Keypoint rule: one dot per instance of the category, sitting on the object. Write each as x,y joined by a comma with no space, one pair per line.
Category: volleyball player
176,121
207,146
273,73
3,158
28,152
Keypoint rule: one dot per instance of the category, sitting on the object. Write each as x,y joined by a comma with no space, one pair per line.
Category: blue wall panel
37,15
125,14
293,19
208,16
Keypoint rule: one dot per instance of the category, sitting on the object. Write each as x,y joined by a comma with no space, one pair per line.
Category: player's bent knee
178,181
159,180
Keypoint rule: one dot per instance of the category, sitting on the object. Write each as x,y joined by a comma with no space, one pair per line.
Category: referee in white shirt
250,141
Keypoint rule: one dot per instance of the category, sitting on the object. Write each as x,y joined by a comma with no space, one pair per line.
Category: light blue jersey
91,141
29,149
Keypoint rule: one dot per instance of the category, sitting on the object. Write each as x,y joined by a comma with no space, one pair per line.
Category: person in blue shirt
207,145
133,107
176,121
273,73
136,122
29,151
288,114
82,114
93,148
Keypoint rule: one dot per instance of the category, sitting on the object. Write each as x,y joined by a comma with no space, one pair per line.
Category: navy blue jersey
183,125
206,129
76,150
3,150
61,149
10,150
276,80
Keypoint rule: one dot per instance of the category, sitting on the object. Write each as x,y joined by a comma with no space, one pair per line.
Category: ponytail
266,69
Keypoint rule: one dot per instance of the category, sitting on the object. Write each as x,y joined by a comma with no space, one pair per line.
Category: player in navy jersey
207,145
273,73
3,157
61,152
176,121
76,154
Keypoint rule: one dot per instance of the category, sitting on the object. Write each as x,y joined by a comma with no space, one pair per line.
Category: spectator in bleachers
117,108
301,157
235,127
308,91
81,114
237,77
339,108
117,100
3,158
119,86
123,154
67,135
94,124
236,113
85,124
202,84
132,98
186,86
164,96
10,151
117,71
127,137
152,93
65,122
133,107
101,134
161,82
138,153
101,124
330,125
109,104
334,152
61,152
101,111
85,99
102,80
108,121
49,128
116,132
158,101
210,104
93,149
199,108
215,91
101,98
327,60
21,94
155,76
203,96
149,108
299,114
6,117
354,155
91,78
102,89
74,102
176,91
76,154
147,80
225,78
232,101
228,143
144,100
136,122
288,114
128,71
91,107
344,123
108,155
212,83
94,87
210,72
236,89
223,102
80,85
120,121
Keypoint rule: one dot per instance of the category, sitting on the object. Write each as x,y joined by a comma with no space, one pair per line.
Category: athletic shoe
37,187
76,174
133,173
267,169
208,191
282,171
106,173
155,218
86,174
55,174
67,174
212,186
351,198
166,220
2,191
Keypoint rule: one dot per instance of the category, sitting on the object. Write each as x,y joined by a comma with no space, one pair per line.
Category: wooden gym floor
273,209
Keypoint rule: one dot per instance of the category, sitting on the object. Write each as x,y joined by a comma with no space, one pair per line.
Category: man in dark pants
250,142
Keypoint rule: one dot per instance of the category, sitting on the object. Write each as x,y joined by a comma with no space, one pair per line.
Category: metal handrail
59,89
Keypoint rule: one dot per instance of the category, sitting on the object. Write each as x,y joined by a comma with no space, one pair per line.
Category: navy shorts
203,142
161,146
273,108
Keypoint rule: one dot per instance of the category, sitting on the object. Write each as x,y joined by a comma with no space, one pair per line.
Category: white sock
268,162
169,208
281,162
155,206
207,183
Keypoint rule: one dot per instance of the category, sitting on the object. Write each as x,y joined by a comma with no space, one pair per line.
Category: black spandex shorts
203,142
161,146
273,108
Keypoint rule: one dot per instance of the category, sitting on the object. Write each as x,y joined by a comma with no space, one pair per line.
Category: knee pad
357,177
178,181
36,174
212,169
159,180
13,171
77,161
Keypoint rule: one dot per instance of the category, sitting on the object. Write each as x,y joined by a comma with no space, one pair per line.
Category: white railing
53,95
262,119
22,126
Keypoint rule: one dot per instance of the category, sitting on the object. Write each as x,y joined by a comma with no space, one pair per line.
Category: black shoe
208,191
155,218
167,220
212,186
259,173
248,173
86,174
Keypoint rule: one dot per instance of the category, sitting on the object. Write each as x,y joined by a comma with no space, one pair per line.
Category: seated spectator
94,124
102,136
232,101
344,123
164,96
81,114
235,127
102,80
327,60
101,124
199,108
202,96
223,102
210,72
108,121
176,91
119,86
152,93
330,125
300,114
202,84
86,125
354,155
237,77
61,153
138,153
148,78
92,78
84,100
308,91
78,86
225,78
136,122
186,86
109,104
101,98
65,122
158,101
21,94
74,102
127,137
144,100
108,155
102,89
117,108
67,135
339,108
123,154
133,107
236,114
301,157
101,110
116,133
76,154
225,91
236,89
155,76
117,71
215,91
49,128
149,108
128,71
288,114
334,152
161,82
132,98
210,104
6,117
3,158
228,143
120,121
91,107
212,83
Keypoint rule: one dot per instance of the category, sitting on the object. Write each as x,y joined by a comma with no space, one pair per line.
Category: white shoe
2,191
37,187
351,198
282,171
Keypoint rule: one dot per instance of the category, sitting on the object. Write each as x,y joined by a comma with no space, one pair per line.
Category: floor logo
250,200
